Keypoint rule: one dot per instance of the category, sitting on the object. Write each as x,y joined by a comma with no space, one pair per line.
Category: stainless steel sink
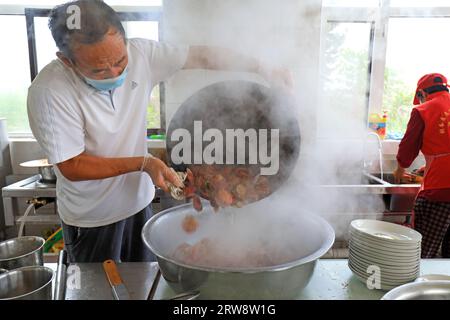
397,197
354,179
365,183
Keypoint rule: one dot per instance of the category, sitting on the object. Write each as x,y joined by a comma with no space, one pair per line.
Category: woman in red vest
429,131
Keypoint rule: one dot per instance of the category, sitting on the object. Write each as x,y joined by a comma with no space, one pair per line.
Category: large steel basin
313,238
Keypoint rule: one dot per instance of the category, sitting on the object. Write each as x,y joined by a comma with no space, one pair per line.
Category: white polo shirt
68,117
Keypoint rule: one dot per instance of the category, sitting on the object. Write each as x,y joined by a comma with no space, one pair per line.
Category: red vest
436,140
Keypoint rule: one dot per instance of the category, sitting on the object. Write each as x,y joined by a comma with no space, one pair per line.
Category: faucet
380,152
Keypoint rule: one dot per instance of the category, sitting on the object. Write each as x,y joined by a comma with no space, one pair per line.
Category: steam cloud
286,34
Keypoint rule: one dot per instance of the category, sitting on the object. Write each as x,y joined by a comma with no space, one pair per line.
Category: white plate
384,245
386,251
382,263
383,256
387,255
389,232
383,285
383,280
383,253
392,245
385,272
405,256
388,246
386,277
385,263
401,244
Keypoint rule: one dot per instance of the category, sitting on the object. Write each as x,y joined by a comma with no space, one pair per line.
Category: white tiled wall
283,33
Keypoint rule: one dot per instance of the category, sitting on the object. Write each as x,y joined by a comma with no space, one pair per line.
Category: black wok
241,105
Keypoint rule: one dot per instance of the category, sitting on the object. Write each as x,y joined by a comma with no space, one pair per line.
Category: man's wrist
145,161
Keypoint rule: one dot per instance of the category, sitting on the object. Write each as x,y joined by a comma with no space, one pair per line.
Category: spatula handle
112,273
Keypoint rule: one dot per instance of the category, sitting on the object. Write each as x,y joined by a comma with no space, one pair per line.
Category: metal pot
27,283
423,290
47,174
45,169
21,252
309,238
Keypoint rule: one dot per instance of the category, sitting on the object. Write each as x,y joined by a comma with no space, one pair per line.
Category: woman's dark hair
96,18
434,89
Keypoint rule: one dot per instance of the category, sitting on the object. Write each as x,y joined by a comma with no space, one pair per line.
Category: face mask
107,84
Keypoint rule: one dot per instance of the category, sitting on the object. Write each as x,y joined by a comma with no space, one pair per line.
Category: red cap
428,81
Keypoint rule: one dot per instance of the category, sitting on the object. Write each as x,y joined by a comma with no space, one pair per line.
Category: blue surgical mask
107,84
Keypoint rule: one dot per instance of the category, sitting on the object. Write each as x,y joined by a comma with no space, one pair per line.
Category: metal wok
305,238
240,105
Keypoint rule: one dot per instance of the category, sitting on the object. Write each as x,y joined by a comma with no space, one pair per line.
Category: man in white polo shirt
87,110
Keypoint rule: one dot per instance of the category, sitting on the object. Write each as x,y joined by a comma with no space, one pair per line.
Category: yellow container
377,123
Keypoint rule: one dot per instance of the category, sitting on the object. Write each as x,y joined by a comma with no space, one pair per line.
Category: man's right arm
88,167
59,130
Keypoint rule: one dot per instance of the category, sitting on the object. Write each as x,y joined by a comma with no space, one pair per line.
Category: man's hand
398,174
160,174
277,77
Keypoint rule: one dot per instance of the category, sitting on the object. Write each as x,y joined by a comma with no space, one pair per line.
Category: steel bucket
27,283
21,252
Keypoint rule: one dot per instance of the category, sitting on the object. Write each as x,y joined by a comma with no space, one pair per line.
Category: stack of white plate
386,249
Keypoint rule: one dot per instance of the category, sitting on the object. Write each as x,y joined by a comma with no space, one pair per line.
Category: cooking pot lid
36,163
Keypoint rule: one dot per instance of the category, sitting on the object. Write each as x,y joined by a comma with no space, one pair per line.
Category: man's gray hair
96,18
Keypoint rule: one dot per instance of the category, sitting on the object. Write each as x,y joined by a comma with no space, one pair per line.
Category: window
407,60
149,30
350,3
406,44
31,47
345,80
142,25
15,72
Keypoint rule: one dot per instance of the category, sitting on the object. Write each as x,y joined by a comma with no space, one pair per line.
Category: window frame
379,16
154,15
126,13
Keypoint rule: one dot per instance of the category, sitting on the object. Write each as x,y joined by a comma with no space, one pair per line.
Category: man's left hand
277,77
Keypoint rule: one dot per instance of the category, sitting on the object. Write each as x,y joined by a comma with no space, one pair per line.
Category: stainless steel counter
87,281
332,279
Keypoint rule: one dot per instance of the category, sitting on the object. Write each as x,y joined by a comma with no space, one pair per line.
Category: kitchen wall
281,33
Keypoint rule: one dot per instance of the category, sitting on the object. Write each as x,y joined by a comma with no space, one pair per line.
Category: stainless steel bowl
309,238
27,283
21,252
423,290
46,170
47,174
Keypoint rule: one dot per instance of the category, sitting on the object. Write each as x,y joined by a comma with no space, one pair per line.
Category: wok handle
112,273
